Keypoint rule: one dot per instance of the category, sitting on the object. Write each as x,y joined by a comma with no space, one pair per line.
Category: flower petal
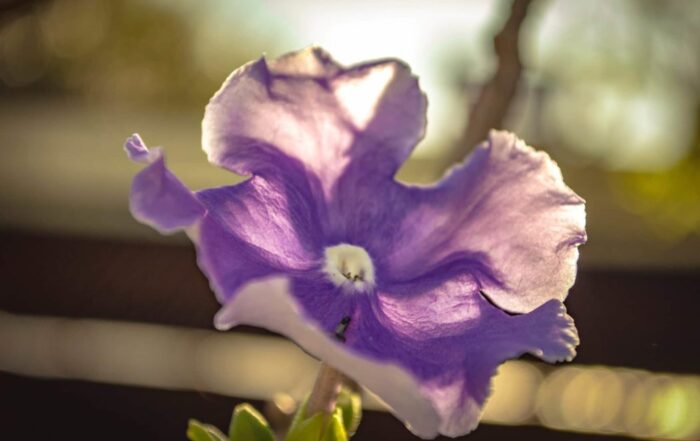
441,329
254,229
226,260
506,203
443,303
157,197
269,304
307,108
453,339
431,364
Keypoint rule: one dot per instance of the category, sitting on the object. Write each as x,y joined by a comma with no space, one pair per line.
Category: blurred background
105,326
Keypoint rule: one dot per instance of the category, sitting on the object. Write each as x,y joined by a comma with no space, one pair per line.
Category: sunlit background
610,89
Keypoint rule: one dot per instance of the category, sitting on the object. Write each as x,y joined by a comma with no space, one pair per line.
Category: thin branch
493,102
325,391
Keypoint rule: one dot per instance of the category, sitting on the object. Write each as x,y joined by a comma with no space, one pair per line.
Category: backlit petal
269,304
157,197
254,229
452,340
508,204
306,107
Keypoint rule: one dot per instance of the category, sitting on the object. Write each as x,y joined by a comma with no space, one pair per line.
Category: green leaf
308,429
197,431
347,415
247,424
299,415
335,431
350,403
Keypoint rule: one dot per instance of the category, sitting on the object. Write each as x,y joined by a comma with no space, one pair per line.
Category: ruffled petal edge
158,198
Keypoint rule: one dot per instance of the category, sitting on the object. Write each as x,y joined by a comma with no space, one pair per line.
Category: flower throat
349,267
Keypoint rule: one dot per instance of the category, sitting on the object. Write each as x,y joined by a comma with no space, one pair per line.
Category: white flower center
350,267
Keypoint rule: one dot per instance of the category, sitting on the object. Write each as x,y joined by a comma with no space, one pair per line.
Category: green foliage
339,426
298,417
336,429
247,424
319,427
197,431
350,403
307,429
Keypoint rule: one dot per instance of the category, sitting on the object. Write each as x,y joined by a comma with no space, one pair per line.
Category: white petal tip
138,152
223,326
223,320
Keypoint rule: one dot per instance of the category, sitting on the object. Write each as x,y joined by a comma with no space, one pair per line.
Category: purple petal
424,348
257,228
268,304
226,260
137,150
307,108
442,331
507,204
452,339
157,197
434,306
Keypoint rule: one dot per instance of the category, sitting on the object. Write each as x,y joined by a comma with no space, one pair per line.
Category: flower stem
325,391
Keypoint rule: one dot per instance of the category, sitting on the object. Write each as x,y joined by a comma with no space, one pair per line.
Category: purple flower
403,288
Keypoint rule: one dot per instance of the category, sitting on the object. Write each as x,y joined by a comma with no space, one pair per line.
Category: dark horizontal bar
643,319
34,409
